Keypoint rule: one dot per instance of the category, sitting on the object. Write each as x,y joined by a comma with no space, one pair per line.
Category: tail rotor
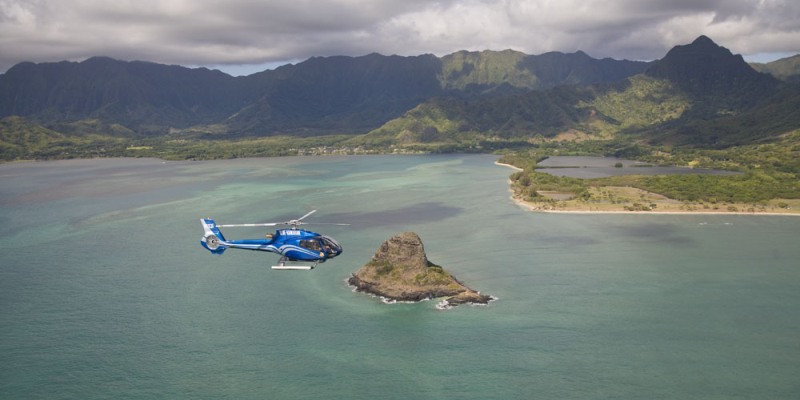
212,239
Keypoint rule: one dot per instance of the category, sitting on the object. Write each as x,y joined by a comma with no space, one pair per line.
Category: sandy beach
536,208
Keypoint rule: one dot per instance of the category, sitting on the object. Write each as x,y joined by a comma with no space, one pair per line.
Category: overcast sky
246,36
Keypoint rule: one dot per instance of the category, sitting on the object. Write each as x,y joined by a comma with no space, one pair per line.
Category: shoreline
532,207
508,166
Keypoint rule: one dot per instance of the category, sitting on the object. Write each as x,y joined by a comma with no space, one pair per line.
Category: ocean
105,291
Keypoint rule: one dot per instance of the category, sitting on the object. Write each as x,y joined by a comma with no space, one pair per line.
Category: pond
587,167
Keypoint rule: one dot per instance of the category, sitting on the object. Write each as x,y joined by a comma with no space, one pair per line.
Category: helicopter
293,244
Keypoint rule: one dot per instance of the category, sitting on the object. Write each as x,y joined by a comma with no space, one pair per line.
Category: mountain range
318,96
699,93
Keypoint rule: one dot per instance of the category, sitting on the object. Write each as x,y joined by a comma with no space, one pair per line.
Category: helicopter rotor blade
248,225
292,223
304,216
295,222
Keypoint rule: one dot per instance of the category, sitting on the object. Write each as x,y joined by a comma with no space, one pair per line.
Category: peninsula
637,201
596,198
399,270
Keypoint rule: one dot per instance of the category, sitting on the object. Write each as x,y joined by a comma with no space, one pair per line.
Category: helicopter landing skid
298,267
282,265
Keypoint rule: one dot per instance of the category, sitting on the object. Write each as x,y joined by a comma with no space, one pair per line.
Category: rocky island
400,271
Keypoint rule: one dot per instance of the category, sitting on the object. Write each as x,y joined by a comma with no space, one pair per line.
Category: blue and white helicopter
293,244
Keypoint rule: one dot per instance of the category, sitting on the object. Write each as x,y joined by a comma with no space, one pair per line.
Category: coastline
573,208
533,208
508,166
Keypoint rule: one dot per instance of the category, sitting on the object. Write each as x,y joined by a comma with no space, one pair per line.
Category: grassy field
628,199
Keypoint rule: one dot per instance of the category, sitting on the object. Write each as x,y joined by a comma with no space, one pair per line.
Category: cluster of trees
529,184
751,187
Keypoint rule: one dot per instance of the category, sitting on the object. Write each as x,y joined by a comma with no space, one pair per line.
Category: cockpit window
311,244
330,245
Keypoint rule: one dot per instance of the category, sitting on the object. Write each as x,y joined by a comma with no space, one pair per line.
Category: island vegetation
400,271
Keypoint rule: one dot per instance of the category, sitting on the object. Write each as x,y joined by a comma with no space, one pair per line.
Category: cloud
241,32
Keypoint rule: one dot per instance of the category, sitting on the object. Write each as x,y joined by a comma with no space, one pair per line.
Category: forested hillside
698,95
787,69
320,96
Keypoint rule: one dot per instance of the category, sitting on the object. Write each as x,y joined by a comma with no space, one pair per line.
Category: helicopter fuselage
293,244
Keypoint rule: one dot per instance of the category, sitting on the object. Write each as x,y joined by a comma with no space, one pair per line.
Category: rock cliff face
400,270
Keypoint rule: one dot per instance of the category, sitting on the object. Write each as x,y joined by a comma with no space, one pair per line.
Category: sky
241,37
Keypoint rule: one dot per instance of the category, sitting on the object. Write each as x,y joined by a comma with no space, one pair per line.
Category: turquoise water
105,291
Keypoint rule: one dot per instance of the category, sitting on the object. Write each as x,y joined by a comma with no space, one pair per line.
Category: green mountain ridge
322,95
699,94
786,69
479,72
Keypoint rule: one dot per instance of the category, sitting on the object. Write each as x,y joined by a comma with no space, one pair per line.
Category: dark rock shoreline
400,271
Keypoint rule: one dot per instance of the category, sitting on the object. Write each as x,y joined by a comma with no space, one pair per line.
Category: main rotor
292,223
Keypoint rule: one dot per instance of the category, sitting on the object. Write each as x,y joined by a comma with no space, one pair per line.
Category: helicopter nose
332,247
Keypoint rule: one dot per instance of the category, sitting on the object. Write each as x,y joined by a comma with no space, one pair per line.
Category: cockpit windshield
332,248
322,244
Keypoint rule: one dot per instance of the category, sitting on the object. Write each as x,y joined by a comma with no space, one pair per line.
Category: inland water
105,291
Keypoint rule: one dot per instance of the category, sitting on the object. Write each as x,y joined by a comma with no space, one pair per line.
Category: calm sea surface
105,291
587,167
